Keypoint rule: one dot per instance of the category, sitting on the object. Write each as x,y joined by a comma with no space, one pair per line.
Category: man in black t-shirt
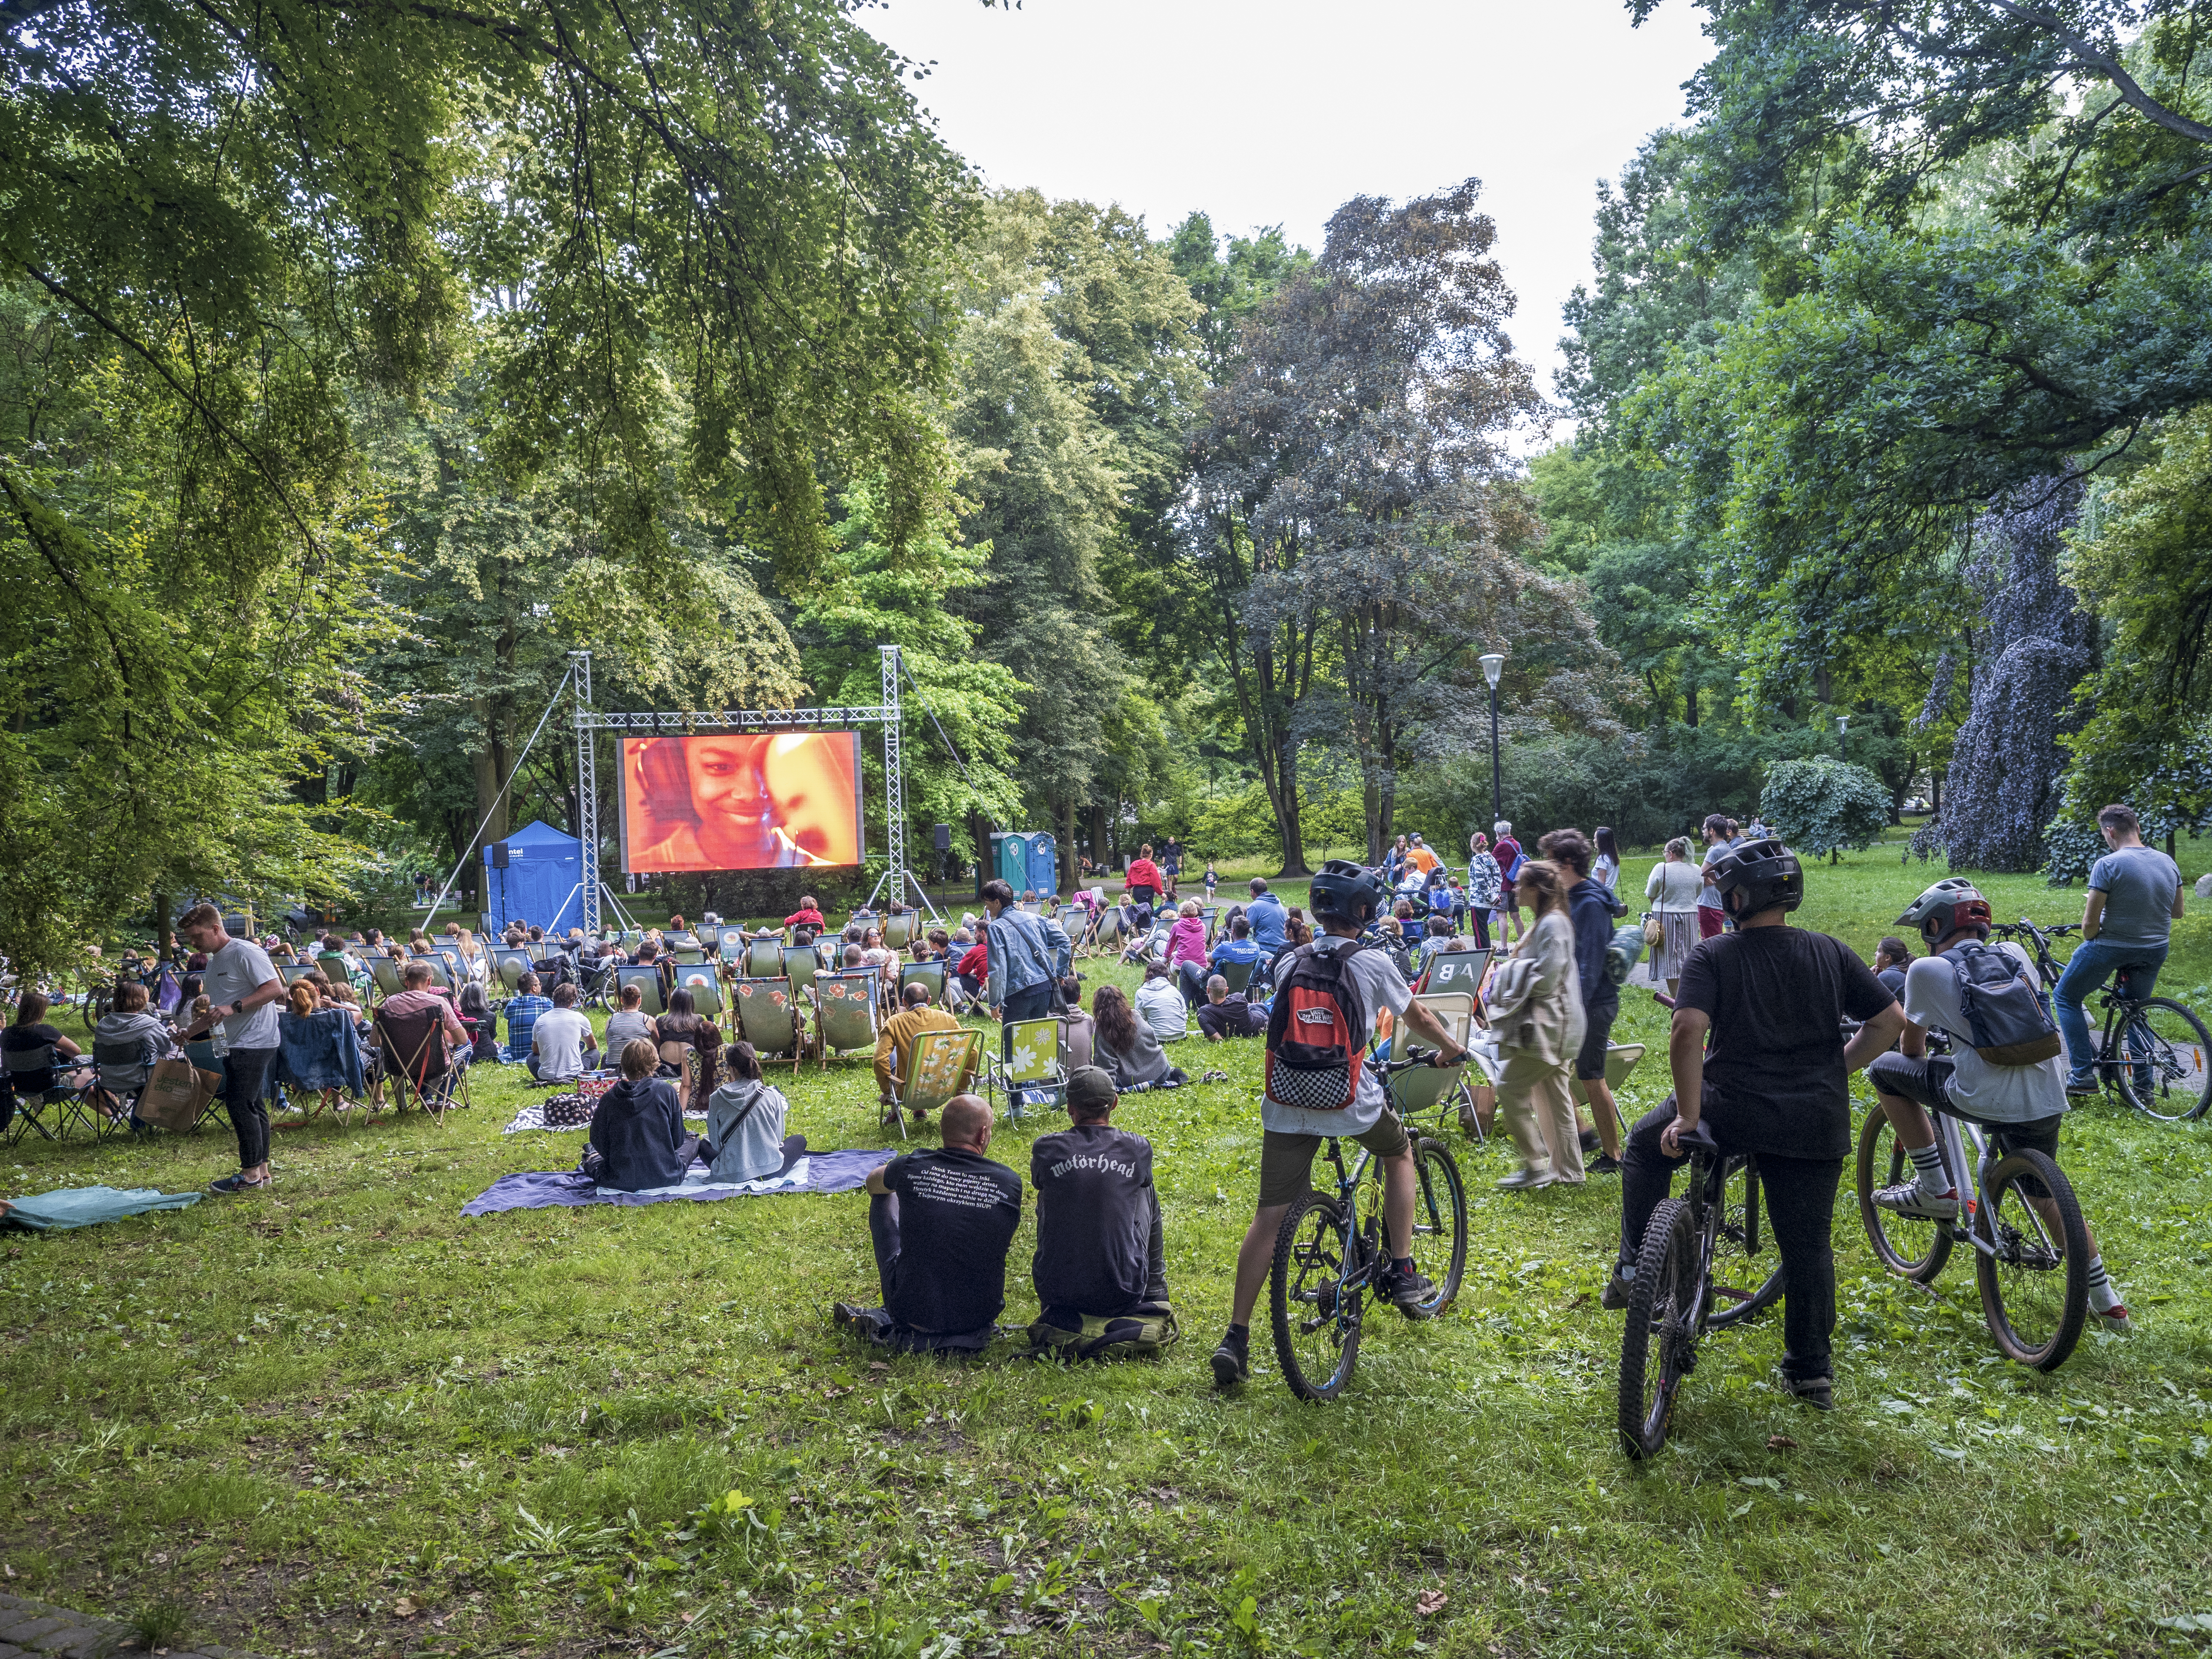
1098,1248
941,1223
1758,1054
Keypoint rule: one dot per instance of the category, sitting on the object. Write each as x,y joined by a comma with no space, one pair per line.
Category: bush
1824,806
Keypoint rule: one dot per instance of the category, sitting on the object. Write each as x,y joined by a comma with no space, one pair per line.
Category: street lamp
1493,665
1842,720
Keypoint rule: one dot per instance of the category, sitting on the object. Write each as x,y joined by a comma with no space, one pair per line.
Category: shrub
1823,806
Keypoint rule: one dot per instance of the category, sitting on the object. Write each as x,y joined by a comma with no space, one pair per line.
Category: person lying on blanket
941,1222
638,1139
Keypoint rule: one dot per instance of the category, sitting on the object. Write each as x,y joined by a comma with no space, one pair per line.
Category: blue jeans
2092,963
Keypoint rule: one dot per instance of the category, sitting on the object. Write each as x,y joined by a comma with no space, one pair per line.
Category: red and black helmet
1951,904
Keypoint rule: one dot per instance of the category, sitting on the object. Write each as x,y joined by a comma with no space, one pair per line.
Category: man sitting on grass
941,1222
894,1047
560,1042
523,1009
1228,1014
1101,1269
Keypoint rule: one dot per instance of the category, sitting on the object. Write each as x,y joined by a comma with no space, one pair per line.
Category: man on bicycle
2135,897
1772,1081
2022,1105
1343,899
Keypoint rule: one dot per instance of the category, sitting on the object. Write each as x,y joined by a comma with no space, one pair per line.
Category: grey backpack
2008,1018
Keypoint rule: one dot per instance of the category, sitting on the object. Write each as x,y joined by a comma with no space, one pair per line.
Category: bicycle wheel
2161,1069
1439,1225
1656,1347
1739,1292
2035,1288
1908,1246
1315,1316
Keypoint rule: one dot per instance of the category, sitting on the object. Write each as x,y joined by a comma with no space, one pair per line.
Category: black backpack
1316,1031
2007,1017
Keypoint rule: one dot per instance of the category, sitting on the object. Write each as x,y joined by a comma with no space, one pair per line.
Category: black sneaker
1232,1359
239,1183
1818,1392
1602,1165
1407,1291
1616,1294
1590,1140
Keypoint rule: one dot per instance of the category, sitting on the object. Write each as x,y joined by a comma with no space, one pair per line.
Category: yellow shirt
895,1046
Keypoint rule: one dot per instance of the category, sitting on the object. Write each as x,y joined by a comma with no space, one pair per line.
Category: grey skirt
1681,939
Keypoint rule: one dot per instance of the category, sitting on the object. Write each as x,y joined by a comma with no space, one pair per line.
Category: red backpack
1316,1031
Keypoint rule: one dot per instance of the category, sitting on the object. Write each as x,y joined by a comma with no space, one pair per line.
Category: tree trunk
1286,812
1690,704
1935,792
162,931
1066,866
1101,854
488,767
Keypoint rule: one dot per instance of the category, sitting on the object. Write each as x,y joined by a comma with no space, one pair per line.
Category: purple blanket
826,1172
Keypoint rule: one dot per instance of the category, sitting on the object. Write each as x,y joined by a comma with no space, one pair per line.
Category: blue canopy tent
534,876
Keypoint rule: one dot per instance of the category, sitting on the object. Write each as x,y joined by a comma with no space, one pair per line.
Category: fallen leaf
1774,1594
690,1615
1430,1602
1780,1443
405,1608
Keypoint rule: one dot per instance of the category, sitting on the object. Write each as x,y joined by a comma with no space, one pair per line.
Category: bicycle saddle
1701,1140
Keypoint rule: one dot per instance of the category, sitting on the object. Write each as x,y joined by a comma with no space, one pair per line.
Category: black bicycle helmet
1951,904
1348,891
1765,873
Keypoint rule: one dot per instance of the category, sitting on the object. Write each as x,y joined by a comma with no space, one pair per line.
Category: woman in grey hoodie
126,1045
745,1118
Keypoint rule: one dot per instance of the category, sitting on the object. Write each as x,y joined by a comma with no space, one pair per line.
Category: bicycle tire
1909,1248
1657,1300
2168,1039
2035,1291
1318,1354
1439,1225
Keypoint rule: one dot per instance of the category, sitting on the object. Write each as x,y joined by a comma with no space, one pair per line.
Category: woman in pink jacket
1186,952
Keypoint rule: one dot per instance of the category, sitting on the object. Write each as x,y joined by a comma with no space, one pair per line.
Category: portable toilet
1012,859
1044,865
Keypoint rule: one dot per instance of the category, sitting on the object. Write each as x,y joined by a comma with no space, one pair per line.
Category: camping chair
898,930
309,1077
847,1004
52,1111
939,1065
412,1050
1238,976
201,1053
765,959
1460,971
931,974
386,973
1036,1066
769,1018
706,990
646,977
118,1098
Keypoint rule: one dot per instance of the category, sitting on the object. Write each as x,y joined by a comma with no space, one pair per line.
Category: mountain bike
1330,1255
2153,1053
1680,1292
2018,1213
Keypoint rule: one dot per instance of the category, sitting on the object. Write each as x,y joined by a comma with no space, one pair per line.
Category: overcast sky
1274,111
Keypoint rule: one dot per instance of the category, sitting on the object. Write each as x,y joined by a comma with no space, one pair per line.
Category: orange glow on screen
743,801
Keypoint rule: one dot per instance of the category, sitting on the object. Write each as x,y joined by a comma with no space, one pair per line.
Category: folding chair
685,1059
847,1006
765,959
441,974
1035,1064
1459,971
940,1064
706,990
769,1018
386,973
800,965
113,1061
1420,1089
202,1054
632,939
309,1087
412,1048
66,1102
931,974
898,930
688,958
1107,933
1238,976
1620,1058
731,946
1210,915
647,978
508,966
1455,1009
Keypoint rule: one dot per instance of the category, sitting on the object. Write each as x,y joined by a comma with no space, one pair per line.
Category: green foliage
2073,845
1823,806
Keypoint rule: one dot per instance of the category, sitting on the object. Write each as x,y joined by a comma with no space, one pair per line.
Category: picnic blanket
533,1116
802,1172
84,1206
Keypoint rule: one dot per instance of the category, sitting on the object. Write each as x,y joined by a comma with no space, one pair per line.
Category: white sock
2103,1299
1928,1164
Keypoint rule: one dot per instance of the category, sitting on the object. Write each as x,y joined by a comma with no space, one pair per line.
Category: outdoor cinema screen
743,801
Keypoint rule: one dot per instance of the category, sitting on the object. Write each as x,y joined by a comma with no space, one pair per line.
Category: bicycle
1677,1294
2031,1256
2153,1053
1329,1256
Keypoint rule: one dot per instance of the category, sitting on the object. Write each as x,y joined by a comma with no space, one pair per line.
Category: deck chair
334,967
442,973
631,939
1620,1058
898,930
1421,1090
1107,933
1455,1008
1457,971
386,973
1210,915
412,1050
51,1112
931,974
646,977
940,1064
800,965
1036,1066
292,972
510,965
1238,976
848,1006
705,989
765,959
769,1018
730,946
689,958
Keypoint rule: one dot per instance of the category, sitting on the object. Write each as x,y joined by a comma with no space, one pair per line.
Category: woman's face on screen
812,798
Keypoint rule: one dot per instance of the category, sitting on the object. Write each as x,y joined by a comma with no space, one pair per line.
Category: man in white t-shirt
559,1039
1344,896
2022,1105
243,988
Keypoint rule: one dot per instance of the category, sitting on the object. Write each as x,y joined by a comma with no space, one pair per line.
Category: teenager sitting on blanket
744,1120
941,1222
638,1139
1100,1269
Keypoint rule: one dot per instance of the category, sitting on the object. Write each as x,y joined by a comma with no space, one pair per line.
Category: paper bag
177,1093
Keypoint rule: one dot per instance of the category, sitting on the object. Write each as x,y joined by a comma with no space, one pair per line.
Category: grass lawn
341,1419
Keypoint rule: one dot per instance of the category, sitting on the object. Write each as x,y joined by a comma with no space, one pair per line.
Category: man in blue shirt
2135,896
1268,918
1239,946
522,1011
1028,956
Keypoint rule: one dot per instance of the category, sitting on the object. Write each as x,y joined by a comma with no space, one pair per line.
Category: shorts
1927,1082
1589,1064
1287,1160
1709,919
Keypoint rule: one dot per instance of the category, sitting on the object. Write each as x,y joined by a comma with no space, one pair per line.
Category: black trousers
245,1089
1799,1197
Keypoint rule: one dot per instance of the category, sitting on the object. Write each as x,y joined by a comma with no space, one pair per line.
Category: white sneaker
2114,1319
1907,1198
